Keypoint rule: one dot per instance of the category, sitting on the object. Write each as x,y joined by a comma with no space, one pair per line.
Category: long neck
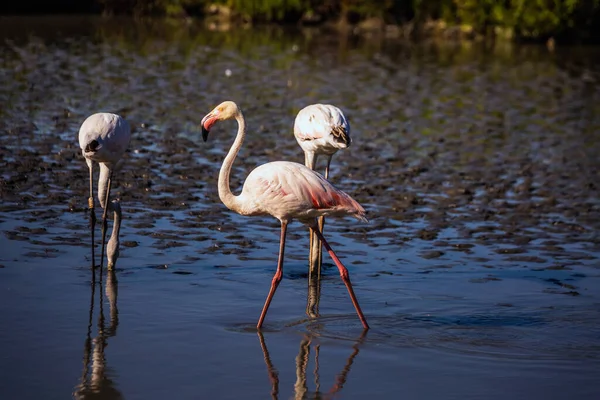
103,183
112,247
227,197
117,221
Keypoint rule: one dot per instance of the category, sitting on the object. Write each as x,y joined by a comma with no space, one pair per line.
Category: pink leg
92,217
276,278
345,276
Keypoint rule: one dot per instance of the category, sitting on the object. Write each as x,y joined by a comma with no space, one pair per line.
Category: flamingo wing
290,190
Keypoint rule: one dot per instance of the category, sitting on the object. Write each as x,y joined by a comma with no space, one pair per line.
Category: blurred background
564,21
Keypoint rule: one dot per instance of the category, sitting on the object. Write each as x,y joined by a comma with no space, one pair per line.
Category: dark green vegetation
562,20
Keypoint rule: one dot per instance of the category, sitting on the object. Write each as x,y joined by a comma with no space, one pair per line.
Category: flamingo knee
344,273
277,278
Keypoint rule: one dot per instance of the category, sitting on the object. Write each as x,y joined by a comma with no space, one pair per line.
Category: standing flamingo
320,129
103,138
285,190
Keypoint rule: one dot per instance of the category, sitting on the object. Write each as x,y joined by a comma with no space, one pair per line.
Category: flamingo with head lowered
103,138
287,191
320,129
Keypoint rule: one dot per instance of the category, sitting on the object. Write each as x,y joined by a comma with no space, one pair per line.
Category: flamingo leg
312,257
314,265
314,295
322,224
344,275
104,225
91,198
319,250
276,278
92,212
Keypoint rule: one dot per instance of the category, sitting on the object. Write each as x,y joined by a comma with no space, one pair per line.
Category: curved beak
207,122
205,129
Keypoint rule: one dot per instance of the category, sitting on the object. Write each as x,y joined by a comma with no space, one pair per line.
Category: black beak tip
204,134
92,146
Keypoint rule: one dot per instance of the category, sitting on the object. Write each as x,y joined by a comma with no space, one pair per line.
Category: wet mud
501,154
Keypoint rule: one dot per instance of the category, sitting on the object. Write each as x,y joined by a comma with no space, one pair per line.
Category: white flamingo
285,190
320,129
103,138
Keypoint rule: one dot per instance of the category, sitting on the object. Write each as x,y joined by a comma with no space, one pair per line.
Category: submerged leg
104,225
319,248
345,277
314,257
277,277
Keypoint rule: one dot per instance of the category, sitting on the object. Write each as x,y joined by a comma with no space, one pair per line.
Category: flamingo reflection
95,382
301,387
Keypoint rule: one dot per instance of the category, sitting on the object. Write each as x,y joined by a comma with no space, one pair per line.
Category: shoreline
369,28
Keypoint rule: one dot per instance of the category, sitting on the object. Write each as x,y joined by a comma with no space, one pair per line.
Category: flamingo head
225,110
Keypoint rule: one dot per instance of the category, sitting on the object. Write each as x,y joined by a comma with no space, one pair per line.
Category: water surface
478,271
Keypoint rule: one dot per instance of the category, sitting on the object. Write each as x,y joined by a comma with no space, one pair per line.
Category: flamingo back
104,137
322,129
289,190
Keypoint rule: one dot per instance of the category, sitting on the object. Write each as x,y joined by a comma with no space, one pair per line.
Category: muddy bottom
478,168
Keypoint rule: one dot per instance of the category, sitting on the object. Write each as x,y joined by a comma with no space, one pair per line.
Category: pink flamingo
285,190
320,129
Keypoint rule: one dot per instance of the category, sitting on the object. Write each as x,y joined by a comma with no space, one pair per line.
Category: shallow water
478,271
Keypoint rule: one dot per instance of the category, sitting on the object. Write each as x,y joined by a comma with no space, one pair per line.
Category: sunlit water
478,271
